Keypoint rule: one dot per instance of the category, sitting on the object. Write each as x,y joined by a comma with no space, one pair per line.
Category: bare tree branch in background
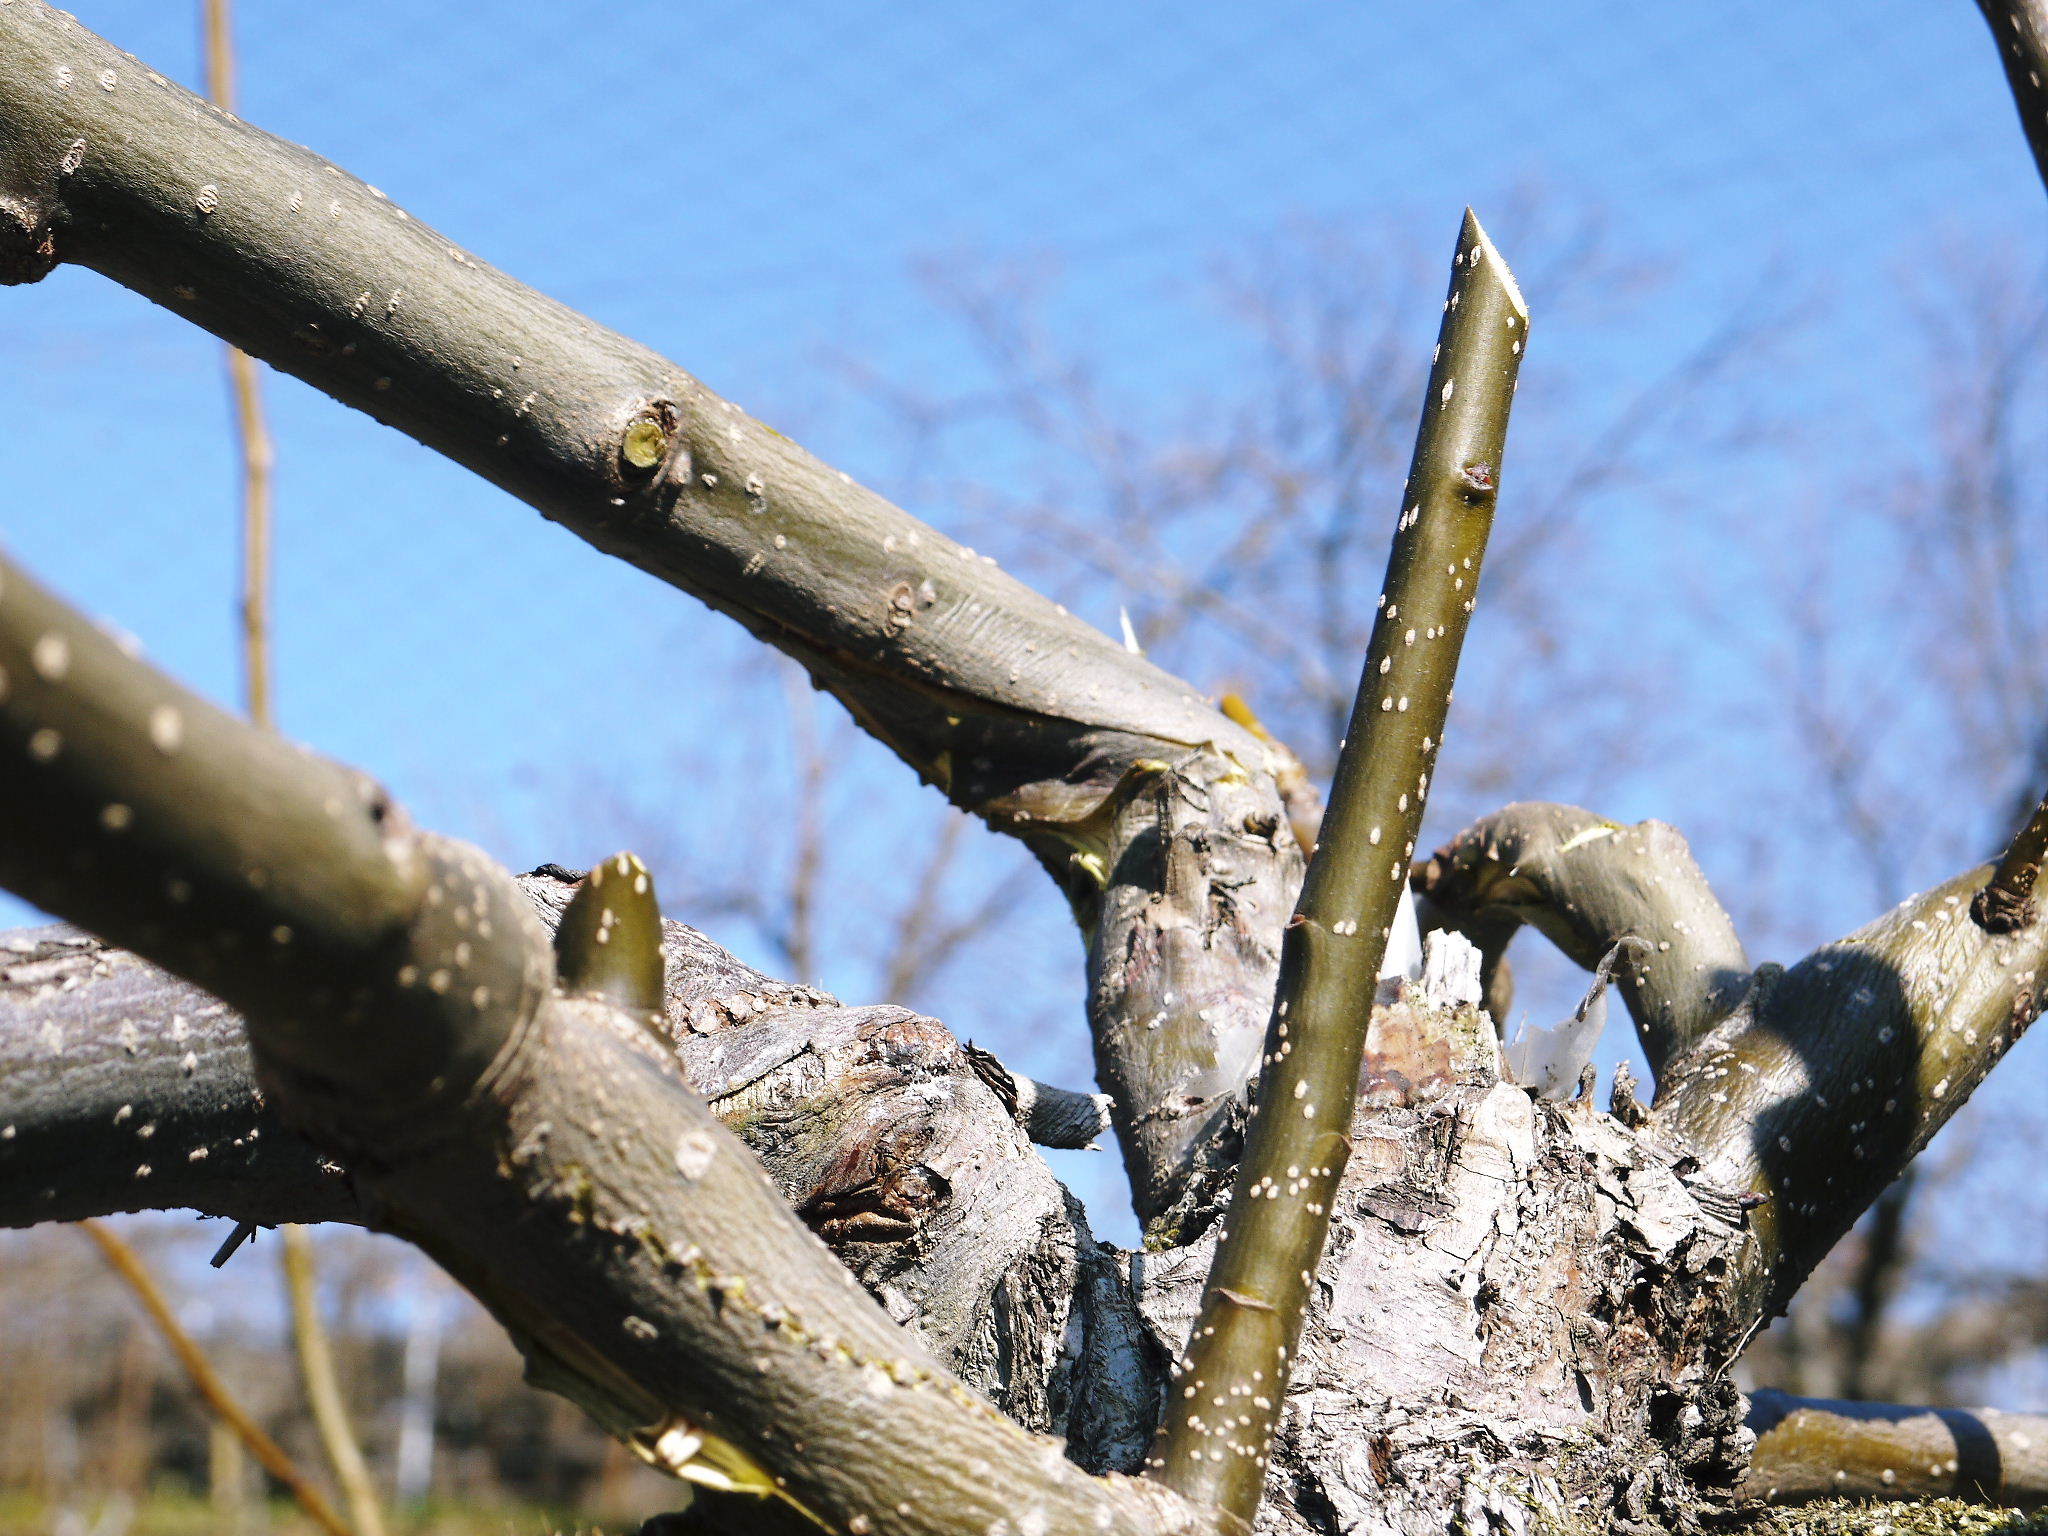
128,1264
1230,526
258,460
1918,659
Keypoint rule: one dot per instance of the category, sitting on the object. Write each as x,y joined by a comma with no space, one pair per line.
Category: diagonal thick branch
2020,29
1160,818
1830,1076
1797,1095
401,1003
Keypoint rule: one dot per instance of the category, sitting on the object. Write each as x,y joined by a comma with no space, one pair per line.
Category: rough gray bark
874,1123
1501,1286
92,1036
1801,1092
1517,1325
405,1009
124,1089
1525,1304
1516,1321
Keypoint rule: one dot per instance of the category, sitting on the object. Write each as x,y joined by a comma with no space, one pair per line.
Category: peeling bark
404,1009
1525,1308
1799,1094
1516,1325
1516,1311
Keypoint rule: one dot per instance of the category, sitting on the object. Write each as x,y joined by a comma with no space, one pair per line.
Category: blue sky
751,189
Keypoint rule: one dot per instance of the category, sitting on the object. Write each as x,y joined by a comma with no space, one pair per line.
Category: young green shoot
1226,1393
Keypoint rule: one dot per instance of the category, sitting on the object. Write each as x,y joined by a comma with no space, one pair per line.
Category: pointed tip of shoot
1476,250
609,942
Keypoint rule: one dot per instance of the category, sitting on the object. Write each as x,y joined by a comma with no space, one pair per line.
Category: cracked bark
109,1064
1522,1305
1505,1276
1800,1093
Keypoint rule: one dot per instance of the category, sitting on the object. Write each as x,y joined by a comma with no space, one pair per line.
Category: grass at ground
1936,1517
181,1514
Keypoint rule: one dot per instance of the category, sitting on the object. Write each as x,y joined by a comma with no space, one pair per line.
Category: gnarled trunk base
1515,1324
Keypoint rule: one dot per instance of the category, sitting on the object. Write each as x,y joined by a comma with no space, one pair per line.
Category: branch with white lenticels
407,1012
1159,817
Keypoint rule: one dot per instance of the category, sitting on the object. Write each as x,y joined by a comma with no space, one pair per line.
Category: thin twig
258,455
127,1263
323,1386
1219,1421
258,458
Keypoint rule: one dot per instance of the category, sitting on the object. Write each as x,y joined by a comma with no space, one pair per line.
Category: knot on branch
28,242
2001,909
647,441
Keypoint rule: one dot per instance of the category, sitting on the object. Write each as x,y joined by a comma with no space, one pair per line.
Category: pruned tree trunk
802,1253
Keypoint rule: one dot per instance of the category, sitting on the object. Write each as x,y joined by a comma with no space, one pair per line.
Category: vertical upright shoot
1227,1389
309,1335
